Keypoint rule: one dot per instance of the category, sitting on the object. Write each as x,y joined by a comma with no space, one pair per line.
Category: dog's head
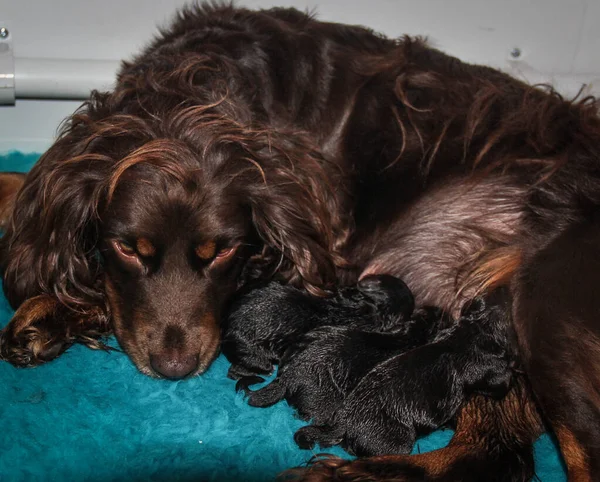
161,218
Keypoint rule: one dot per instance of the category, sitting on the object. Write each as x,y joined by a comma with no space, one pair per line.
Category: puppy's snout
173,365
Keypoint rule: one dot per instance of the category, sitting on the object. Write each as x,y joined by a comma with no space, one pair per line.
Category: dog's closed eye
133,255
124,248
226,253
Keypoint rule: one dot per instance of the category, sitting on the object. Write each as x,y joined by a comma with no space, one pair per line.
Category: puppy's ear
295,213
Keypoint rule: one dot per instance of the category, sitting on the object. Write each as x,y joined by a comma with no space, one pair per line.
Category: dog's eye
125,248
225,252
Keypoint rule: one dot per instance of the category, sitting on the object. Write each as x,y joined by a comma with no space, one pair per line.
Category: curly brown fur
323,152
10,184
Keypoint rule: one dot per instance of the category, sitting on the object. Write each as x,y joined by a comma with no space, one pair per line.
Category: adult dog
243,143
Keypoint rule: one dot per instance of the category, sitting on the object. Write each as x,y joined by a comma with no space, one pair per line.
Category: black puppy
419,391
316,374
264,321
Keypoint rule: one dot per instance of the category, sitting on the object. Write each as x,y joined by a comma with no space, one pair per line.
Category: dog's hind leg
557,318
493,443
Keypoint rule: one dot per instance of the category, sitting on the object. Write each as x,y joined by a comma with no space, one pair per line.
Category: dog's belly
453,241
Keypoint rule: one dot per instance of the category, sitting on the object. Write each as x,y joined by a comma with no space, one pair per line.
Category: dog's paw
33,335
321,468
327,468
29,347
42,329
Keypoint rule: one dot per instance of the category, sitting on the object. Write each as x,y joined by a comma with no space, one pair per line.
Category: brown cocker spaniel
240,144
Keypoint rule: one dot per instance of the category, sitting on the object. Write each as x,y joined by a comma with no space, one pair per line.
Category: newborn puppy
419,391
263,322
316,374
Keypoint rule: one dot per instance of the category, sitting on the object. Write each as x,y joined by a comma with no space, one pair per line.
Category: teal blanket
91,415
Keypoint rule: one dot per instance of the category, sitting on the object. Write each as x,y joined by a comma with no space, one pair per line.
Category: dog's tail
324,435
10,184
264,397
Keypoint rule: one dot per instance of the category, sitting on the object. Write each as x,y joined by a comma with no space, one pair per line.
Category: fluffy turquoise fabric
91,416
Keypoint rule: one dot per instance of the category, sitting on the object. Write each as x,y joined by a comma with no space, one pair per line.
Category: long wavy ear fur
48,247
10,184
296,213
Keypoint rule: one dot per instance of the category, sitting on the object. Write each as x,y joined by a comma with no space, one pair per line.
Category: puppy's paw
241,370
305,438
244,383
324,435
237,372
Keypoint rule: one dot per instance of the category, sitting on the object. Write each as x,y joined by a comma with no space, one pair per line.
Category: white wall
558,39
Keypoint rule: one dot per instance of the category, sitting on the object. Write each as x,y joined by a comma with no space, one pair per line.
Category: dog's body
265,321
318,371
251,142
416,392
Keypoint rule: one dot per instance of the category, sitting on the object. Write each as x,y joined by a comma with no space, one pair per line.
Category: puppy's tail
324,435
10,184
266,396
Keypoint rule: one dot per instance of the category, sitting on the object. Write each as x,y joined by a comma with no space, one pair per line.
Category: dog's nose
174,366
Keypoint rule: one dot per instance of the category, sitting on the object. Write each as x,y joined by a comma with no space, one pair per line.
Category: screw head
3,32
515,53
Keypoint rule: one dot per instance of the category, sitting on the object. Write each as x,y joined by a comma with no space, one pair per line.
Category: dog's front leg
42,328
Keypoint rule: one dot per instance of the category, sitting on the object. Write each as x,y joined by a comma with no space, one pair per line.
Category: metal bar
7,67
62,78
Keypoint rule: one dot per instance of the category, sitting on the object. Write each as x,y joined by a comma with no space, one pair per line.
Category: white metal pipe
62,78
44,78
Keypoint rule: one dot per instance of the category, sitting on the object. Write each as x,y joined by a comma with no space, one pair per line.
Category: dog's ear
10,184
294,212
49,243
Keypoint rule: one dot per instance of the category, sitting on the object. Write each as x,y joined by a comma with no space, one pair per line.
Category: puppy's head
163,218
